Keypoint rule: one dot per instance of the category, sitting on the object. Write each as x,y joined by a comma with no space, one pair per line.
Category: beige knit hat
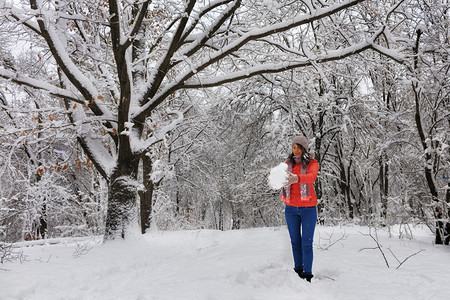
301,140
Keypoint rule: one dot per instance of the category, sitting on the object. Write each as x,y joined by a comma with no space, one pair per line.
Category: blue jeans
301,222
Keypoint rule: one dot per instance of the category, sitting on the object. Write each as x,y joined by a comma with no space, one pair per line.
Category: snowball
278,176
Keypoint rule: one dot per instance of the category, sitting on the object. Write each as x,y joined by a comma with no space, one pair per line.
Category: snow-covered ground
243,264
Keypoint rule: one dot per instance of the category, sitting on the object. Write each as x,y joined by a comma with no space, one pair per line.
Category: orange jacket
309,178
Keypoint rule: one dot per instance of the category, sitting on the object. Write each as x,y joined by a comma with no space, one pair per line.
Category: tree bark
122,196
384,184
145,196
427,149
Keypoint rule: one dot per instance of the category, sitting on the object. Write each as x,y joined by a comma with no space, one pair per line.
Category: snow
278,176
242,264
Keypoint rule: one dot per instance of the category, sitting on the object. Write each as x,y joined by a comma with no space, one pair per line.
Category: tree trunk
221,215
145,196
42,229
427,150
318,157
237,215
122,187
122,192
447,225
384,184
345,178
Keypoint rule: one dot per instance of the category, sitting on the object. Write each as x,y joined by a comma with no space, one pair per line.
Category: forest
128,114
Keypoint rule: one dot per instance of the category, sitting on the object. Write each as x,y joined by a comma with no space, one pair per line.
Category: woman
301,205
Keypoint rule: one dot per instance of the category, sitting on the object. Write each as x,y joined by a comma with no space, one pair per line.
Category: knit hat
301,140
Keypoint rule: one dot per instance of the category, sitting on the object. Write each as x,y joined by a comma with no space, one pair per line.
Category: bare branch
377,247
402,262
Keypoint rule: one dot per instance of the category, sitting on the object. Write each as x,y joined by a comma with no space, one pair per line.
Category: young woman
301,205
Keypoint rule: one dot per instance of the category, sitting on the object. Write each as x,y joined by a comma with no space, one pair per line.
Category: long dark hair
306,157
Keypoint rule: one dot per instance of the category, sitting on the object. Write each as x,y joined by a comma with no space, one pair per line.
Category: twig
343,237
368,248
378,247
389,248
329,278
409,257
402,262
9,254
82,249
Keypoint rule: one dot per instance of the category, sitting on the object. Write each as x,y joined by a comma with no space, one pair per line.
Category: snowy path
244,264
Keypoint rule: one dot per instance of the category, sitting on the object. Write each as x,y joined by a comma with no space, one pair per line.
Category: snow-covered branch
140,146
200,41
23,17
137,23
278,67
41,85
228,49
52,36
391,53
198,16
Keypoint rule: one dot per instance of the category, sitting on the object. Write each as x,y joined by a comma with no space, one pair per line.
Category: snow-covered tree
117,65
430,91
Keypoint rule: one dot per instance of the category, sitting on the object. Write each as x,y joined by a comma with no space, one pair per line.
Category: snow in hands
278,176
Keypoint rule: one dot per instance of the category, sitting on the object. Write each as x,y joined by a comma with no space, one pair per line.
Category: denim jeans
301,222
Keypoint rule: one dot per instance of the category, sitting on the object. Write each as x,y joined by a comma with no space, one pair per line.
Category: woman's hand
292,179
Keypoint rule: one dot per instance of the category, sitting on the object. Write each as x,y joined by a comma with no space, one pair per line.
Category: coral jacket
309,178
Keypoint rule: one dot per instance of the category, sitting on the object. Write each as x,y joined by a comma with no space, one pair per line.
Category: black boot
307,277
299,272
303,275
